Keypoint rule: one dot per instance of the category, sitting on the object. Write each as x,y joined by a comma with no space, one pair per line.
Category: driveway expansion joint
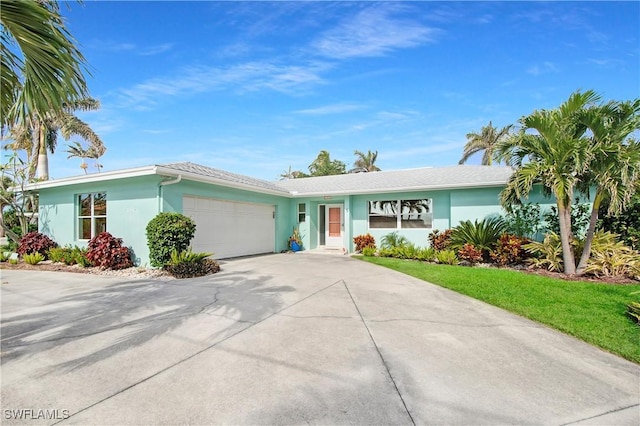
617,410
384,362
185,359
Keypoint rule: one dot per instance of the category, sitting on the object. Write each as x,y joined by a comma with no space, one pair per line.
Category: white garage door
229,229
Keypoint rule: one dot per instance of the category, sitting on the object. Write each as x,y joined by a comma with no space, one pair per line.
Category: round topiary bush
168,232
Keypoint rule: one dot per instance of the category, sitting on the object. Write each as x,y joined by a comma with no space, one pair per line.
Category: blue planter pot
295,246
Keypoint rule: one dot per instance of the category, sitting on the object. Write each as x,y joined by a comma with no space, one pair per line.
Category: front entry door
334,226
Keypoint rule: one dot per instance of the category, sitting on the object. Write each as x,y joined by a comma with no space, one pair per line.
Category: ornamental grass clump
33,258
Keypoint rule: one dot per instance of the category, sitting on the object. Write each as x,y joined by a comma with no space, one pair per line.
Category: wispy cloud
543,68
154,50
331,109
117,47
374,31
606,63
245,77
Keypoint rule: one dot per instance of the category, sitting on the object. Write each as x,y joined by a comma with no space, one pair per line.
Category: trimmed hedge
168,232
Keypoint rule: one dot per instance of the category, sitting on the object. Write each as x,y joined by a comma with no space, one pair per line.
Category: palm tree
292,174
77,150
40,134
555,156
486,141
41,69
323,165
365,162
614,169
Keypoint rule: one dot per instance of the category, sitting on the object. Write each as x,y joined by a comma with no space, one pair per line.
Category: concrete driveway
290,339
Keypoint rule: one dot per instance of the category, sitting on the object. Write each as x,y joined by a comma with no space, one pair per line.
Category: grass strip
593,312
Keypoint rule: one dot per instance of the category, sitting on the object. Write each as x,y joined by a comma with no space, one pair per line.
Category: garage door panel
229,228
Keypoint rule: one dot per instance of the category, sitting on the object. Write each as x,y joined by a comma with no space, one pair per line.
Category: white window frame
398,213
93,216
302,214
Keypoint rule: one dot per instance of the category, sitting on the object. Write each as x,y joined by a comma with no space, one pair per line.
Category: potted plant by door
295,241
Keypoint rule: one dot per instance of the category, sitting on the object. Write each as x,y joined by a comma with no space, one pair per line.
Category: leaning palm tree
614,169
41,69
555,155
78,151
365,162
486,141
39,134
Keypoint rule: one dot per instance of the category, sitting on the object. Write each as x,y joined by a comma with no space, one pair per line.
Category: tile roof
210,172
355,183
401,180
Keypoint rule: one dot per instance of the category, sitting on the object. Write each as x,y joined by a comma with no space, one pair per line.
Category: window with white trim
302,212
401,214
92,214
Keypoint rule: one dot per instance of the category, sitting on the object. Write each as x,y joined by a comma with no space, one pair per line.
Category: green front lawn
592,312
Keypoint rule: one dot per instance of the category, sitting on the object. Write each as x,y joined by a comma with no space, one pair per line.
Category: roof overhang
149,171
398,189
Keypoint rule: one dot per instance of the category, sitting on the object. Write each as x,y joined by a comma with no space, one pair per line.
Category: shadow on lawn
137,311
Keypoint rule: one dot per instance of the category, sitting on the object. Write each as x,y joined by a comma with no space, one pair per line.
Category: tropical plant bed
591,311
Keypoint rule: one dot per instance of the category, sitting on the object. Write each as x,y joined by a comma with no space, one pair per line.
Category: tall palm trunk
564,218
42,168
586,251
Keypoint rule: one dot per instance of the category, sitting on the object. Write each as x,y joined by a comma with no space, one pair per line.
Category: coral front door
334,226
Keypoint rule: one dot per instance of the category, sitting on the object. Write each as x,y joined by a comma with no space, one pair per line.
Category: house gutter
162,184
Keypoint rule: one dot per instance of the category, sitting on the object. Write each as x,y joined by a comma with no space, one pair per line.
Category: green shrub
408,251
69,255
483,235
369,251
385,252
393,240
509,250
363,241
580,216
524,220
168,232
626,224
3,257
187,264
468,253
447,257
426,254
33,258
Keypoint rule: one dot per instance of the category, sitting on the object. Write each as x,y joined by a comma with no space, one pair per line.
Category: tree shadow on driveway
137,311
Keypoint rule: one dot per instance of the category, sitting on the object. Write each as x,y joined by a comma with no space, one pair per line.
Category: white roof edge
147,171
165,171
400,189
97,177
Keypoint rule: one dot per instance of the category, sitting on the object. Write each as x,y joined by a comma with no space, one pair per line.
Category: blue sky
256,87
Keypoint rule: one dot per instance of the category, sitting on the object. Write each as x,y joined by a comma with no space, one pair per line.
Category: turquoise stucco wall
131,204
285,207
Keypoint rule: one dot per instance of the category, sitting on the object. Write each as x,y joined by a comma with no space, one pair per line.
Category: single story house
237,215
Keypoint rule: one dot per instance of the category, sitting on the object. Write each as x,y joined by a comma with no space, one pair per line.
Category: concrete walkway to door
291,338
